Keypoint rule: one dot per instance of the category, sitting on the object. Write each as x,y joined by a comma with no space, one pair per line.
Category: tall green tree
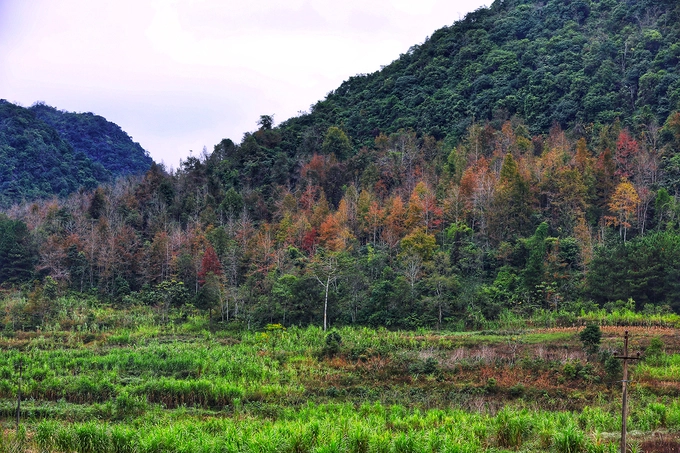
17,252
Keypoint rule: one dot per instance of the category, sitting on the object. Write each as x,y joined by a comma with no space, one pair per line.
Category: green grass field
188,387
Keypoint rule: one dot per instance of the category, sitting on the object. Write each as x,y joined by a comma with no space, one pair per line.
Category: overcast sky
178,75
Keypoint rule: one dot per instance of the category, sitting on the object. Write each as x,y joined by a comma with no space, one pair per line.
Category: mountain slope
45,152
100,140
36,162
573,63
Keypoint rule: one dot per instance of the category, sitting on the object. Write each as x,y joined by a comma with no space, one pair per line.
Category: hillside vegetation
35,161
440,257
45,152
100,140
579,64
326,220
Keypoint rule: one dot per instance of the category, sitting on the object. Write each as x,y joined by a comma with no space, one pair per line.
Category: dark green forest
35,161
579,64
100,140
46,152
522,161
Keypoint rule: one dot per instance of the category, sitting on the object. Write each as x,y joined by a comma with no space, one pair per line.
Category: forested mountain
102,141
523,160
46,152
35,161
576,63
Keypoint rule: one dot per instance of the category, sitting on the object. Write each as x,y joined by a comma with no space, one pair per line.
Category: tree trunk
325,303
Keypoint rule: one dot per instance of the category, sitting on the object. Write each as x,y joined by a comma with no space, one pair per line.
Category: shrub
591,337
491,385
427,366
613,367
570,370
655,350
332,344
516,390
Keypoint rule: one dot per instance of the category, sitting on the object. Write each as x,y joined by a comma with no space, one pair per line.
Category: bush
655,350
591,337
613,367
516,390
491,385
428,366
332,344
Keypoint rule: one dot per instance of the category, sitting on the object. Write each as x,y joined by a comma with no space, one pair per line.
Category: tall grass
159,389
326,428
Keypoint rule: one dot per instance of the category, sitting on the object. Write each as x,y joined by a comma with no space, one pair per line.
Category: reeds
326,428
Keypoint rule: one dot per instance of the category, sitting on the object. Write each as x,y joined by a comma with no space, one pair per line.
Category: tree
17,256
374,221
210,264
98,204
394,222
423,209
326,268
336,143
627,149
591,337
441,288
232,204
283,290
511,214
42,301
623,205
167,294
211,293
419,243
266,122
533,272
477,187
53,258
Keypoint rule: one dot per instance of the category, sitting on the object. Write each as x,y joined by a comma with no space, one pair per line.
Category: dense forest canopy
35,161
523,159
46,152
100,140
576,63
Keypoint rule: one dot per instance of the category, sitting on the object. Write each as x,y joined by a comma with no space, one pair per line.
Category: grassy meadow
111,380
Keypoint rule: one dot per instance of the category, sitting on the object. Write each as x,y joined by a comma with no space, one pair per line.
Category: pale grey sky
178,75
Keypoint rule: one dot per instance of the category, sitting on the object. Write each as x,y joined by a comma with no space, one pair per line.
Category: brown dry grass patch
663,443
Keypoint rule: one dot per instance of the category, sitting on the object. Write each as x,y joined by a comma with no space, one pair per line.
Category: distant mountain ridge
46,152
100,140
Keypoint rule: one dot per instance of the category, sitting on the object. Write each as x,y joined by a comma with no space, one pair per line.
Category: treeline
405,233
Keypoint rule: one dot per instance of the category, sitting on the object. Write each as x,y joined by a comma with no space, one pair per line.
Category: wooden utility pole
624,402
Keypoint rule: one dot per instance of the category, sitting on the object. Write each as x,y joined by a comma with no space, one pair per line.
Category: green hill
575,63
100,140
520,162
45,152
36,162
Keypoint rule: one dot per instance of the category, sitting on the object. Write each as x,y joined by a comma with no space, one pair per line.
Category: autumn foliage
519,222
